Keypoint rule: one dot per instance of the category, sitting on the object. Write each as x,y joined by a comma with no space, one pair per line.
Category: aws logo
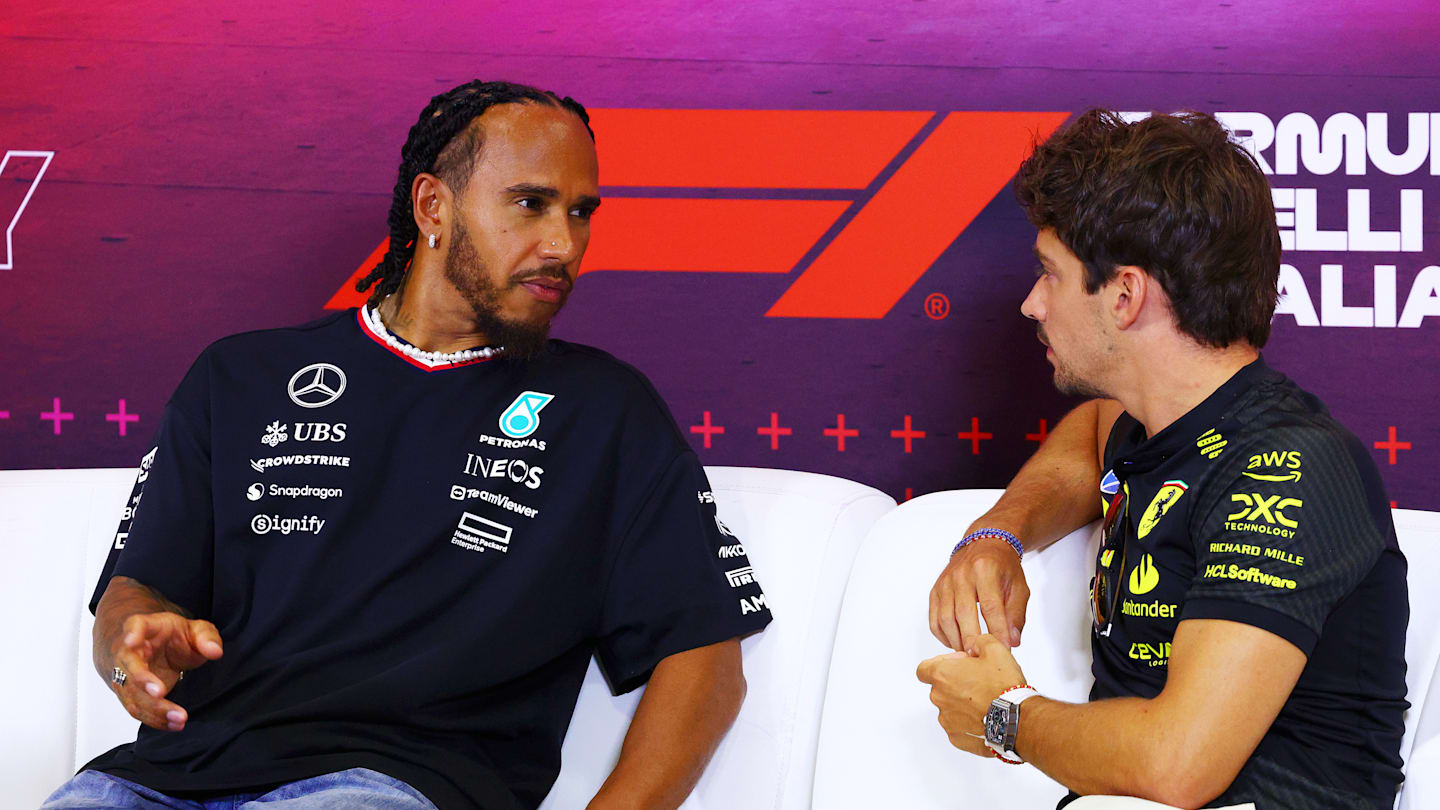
831,198
1289,460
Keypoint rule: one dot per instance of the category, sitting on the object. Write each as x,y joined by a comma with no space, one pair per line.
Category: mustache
1040,333
556,274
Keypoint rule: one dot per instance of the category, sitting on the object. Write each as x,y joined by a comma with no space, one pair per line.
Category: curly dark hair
1173,195
443,142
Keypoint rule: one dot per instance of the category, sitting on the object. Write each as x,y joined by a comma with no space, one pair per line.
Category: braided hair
443,142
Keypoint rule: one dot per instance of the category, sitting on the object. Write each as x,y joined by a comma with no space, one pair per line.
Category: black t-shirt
411,567
1258,507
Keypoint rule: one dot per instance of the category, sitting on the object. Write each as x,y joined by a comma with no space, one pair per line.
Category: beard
1068,383
522,340
1067,380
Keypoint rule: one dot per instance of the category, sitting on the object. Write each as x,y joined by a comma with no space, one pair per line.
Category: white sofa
834,718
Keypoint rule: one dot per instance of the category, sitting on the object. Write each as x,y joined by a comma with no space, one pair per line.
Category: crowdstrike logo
262,464
838,200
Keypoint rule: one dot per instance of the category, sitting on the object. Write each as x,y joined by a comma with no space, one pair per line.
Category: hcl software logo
856,204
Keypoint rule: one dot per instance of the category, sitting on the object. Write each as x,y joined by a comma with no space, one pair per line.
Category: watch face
996,720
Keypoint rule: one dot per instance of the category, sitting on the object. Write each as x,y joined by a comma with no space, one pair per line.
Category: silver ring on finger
118,676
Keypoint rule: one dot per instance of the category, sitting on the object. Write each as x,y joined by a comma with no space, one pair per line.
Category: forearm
689,703
1122,747
1056,492
123,598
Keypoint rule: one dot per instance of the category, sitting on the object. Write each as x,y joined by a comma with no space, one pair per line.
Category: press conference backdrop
808,241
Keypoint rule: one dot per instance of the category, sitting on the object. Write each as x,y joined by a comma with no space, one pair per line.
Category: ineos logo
317,385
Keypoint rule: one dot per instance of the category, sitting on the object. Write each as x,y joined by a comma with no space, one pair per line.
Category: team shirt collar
371,331
1196,430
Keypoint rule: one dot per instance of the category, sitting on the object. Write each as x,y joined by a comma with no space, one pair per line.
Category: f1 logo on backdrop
24,161
875,196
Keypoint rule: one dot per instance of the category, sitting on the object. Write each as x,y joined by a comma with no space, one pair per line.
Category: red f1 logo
790,177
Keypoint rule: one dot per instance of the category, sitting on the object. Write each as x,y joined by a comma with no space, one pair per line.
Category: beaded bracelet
996,533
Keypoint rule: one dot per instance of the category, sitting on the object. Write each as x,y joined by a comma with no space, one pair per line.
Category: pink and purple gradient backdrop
224,167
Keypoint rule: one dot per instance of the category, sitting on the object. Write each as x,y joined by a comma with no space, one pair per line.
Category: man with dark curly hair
1249,596
381,548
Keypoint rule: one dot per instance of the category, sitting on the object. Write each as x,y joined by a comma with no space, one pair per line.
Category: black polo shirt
411,567
1258,507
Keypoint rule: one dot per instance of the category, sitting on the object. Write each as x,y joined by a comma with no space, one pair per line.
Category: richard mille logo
317,385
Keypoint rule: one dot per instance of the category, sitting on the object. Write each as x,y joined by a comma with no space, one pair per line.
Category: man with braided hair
382,548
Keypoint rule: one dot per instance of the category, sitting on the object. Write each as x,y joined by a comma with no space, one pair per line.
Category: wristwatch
1002,722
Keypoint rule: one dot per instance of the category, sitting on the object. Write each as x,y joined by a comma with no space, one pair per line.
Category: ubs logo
320,432
316,385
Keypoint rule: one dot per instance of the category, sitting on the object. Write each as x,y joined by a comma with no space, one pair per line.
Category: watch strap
1012,697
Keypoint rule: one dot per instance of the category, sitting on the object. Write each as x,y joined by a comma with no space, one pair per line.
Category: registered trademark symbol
937,306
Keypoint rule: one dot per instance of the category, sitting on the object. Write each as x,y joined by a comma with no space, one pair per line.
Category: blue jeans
357,788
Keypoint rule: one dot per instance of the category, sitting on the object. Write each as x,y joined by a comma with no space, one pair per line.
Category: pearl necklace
431,359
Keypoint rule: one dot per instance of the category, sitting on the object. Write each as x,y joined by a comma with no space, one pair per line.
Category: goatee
522,341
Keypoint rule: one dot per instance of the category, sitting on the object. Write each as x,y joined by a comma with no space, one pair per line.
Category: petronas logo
1144,576
523,416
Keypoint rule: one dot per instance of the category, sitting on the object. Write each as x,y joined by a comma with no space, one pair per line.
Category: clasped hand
962,685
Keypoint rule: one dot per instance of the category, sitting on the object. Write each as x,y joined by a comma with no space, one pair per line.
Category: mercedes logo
317,385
